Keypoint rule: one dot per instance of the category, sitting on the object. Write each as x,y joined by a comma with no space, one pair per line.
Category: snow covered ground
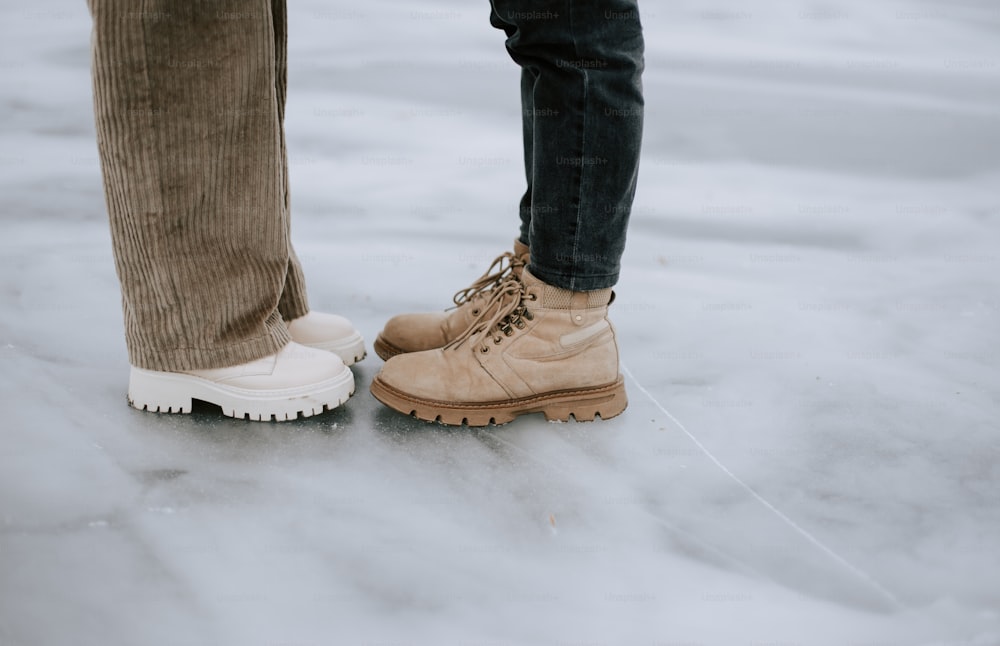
809,315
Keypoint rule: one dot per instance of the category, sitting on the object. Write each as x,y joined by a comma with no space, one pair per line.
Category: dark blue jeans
581,94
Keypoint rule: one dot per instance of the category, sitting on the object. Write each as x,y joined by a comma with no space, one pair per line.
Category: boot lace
500,271
511,311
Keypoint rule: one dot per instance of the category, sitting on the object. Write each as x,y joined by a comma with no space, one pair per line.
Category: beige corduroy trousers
189,101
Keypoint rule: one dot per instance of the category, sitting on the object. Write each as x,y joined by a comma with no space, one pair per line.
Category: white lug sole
173,392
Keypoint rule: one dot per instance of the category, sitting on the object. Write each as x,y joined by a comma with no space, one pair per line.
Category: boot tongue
520,249
523,256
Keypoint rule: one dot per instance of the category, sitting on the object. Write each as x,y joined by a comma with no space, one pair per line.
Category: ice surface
808,316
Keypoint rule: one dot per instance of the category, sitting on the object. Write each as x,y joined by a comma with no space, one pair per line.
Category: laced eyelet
519,324
497,340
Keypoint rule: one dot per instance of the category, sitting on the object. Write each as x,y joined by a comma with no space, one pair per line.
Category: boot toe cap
416,332
432,375
420,374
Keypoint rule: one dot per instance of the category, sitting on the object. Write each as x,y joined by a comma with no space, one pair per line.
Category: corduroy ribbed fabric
189,101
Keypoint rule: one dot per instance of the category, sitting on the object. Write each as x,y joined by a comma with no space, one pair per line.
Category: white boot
328,332
296,380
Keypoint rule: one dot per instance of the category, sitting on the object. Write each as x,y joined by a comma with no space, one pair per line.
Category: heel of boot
157,392
585,406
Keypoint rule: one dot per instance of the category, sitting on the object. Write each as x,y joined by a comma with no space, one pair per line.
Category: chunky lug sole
172,392
384,349
584,405
350,349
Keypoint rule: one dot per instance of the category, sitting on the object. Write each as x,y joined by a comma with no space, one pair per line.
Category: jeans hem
574,282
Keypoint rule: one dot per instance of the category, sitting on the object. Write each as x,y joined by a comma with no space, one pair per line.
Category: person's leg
581,107
544,343
188,101
189,134
582,96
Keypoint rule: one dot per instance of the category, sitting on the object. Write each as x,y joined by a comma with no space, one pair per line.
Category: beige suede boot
543,349
428,330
